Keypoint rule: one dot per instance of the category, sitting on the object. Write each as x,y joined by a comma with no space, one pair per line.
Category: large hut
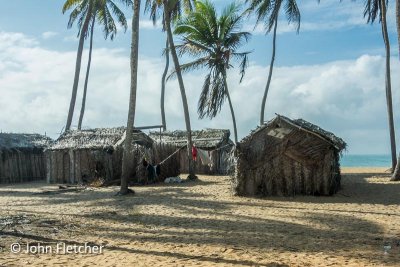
213,143
22,157
82,156
288,157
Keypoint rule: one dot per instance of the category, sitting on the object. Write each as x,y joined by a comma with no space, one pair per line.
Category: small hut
214,143
83,156
22,158
288,157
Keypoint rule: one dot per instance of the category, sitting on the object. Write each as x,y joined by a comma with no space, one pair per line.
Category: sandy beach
201,224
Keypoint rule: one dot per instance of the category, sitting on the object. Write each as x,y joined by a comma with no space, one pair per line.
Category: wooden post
48,166
71,166
78,174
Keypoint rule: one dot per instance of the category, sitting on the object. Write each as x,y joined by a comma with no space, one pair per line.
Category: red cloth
194,153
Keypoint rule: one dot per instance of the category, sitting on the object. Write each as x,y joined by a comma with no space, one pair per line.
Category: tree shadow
205,221
356,188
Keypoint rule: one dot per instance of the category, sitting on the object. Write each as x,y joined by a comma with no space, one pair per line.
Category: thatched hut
288,157
87,155
214,142
22,158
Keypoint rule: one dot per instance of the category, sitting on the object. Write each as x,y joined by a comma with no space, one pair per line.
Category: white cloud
144,24
70,38
48,35
9,40
148,25
346,97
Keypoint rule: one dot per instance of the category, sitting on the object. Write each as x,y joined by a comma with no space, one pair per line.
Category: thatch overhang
207,139
281,126
24,142
98,139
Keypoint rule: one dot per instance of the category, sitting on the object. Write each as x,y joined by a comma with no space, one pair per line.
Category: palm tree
268,12
153,7
171,10
377,9
127,157
82,10
102,11
213,41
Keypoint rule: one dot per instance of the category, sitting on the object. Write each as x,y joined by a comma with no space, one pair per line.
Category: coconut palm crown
267,12
213,42
103,11
177,9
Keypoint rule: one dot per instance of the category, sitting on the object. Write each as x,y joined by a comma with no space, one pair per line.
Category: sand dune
201,224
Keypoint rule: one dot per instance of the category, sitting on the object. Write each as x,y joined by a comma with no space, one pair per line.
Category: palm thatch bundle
215,141
288,157
22,158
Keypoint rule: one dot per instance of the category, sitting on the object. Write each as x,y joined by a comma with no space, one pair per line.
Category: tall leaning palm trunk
382,4
398,23
87,76
396,174
78,63
127,157
230,107
271,67
268,12
163,81
167,21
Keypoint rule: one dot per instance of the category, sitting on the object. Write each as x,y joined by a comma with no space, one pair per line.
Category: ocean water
366,161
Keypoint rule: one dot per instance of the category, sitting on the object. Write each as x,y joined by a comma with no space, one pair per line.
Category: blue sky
331,73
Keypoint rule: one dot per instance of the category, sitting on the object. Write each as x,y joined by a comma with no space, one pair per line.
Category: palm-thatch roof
281,122
99,138
23,141
205,139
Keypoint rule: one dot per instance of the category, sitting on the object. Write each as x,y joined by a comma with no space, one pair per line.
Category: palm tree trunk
396,174
398,23
87,77
231,108
127,157
163,79
78,66
382,5
174,55
271,67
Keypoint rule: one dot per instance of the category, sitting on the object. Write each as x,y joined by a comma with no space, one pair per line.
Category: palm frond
176,9
293,13
69,4
372,10
194,65
273,18
267,11
76,14
203,100
244,62
119,15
